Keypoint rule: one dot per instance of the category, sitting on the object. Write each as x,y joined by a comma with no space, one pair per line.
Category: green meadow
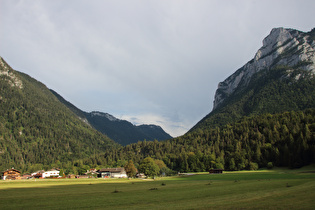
275,189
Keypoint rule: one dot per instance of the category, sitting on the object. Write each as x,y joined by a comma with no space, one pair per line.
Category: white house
112,173
51,173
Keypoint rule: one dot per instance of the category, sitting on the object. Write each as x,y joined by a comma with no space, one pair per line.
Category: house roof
37,175
12,169
40,171
112,170
54,169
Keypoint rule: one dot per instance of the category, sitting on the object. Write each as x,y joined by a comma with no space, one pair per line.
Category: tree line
286,139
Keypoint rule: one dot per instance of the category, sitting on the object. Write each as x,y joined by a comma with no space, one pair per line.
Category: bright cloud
175,128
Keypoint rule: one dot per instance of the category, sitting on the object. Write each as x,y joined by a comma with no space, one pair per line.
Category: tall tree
149,167
130,169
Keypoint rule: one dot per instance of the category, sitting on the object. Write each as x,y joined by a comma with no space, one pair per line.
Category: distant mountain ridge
121,131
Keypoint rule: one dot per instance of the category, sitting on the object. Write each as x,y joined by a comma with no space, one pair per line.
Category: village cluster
13,174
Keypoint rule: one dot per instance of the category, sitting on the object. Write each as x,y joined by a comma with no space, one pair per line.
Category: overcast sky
153,62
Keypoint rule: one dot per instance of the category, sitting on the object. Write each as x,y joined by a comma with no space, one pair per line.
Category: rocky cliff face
282,47
8,75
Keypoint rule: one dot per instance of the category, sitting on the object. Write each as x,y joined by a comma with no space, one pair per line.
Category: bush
270,165
253,166
149,167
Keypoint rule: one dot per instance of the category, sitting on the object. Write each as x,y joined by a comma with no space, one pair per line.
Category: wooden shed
71,176
215,171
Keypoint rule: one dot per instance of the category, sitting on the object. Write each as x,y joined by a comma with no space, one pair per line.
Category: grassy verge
284,189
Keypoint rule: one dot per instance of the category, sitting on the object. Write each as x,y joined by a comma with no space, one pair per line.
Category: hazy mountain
121,131
279,78
36,128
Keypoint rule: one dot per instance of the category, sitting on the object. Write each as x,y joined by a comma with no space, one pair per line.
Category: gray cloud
146,61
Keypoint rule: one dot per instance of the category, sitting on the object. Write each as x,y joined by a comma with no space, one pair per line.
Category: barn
215,171
11,174
112,173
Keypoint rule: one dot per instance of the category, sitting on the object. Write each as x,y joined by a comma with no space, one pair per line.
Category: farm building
140,175
215,171
92,173
11,174
51,173
71,176
38,174
112,173
26,176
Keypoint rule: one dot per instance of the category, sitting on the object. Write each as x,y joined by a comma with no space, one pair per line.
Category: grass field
284,189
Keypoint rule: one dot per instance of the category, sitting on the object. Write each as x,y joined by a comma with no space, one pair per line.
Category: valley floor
276,189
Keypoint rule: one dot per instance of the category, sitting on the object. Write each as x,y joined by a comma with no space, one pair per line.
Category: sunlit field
286,189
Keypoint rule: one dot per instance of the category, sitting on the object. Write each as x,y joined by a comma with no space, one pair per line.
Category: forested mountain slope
267,140
274,91
35,128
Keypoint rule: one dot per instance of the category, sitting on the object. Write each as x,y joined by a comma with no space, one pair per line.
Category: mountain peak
276,38
282,47
106,115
